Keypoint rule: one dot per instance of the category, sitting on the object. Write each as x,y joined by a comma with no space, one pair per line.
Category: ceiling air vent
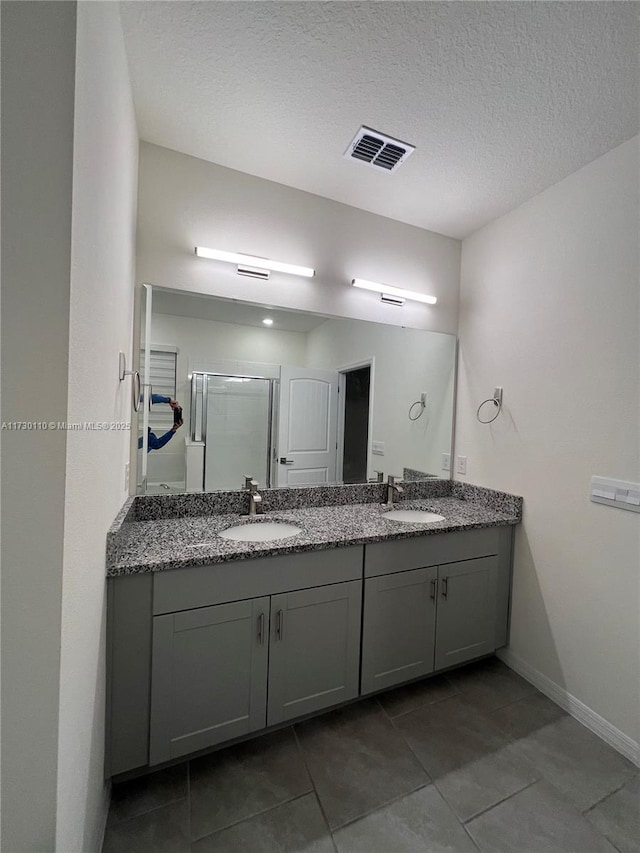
377,150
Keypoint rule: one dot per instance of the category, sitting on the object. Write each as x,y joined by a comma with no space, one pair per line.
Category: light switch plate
617,493
377,448
461,464
446,462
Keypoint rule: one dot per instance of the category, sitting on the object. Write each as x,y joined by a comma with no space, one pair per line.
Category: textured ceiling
502,99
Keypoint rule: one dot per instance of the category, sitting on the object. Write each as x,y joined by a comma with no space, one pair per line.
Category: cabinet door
314,650
465,623
209,676
398,628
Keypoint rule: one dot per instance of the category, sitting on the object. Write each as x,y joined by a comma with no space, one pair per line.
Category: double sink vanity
222,625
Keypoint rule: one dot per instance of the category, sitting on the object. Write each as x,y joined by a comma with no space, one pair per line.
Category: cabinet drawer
401,555
199,586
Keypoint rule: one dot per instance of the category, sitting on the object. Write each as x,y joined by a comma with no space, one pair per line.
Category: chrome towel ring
136,387
422,402
497,402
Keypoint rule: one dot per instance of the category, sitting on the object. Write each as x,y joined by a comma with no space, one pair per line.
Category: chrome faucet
255,499
393,488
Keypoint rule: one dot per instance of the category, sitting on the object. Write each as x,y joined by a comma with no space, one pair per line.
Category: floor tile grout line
612,843
324,817
468,695
313,783
151,810
606,796
412,751
393,717
498,802
251,817
434,782
514,702
564,794
380,807
382,708
475,843
169,802
419,707
564,797
533,689
392,720
407,744
303,758
270,808
396,799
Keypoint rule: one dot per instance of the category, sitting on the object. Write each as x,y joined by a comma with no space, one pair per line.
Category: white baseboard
597,724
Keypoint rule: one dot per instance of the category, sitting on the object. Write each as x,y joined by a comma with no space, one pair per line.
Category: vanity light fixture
395,295
252,264
268,321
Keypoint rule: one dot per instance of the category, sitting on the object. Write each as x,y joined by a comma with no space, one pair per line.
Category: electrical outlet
462,464
446,462
377,448
126,476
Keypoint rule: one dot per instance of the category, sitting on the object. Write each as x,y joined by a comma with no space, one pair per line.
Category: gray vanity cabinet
431,603
209,677
314,653
207,654
237,647
212,666
399,626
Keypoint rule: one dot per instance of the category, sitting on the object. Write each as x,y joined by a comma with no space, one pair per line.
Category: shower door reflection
237,430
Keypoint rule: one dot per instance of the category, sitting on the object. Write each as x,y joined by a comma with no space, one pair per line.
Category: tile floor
477,760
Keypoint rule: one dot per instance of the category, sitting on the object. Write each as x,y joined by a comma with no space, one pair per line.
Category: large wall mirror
288,397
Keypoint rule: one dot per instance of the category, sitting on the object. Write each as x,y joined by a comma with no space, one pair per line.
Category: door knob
285,461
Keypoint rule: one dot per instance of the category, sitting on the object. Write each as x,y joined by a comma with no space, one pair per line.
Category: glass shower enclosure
233,416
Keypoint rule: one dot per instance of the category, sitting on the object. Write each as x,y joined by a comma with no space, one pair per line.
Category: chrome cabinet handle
279,625
261,629
434,589
285,461
445,587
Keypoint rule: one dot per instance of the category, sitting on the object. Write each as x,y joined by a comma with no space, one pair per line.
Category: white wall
406,362
100,324
185,202
38,58
549,310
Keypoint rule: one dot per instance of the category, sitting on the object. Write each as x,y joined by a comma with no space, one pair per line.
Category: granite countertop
172,543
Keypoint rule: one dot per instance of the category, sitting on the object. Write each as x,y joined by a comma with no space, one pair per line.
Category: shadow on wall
530,628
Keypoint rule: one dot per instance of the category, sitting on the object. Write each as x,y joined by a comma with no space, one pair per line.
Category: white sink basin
261,532
413,516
